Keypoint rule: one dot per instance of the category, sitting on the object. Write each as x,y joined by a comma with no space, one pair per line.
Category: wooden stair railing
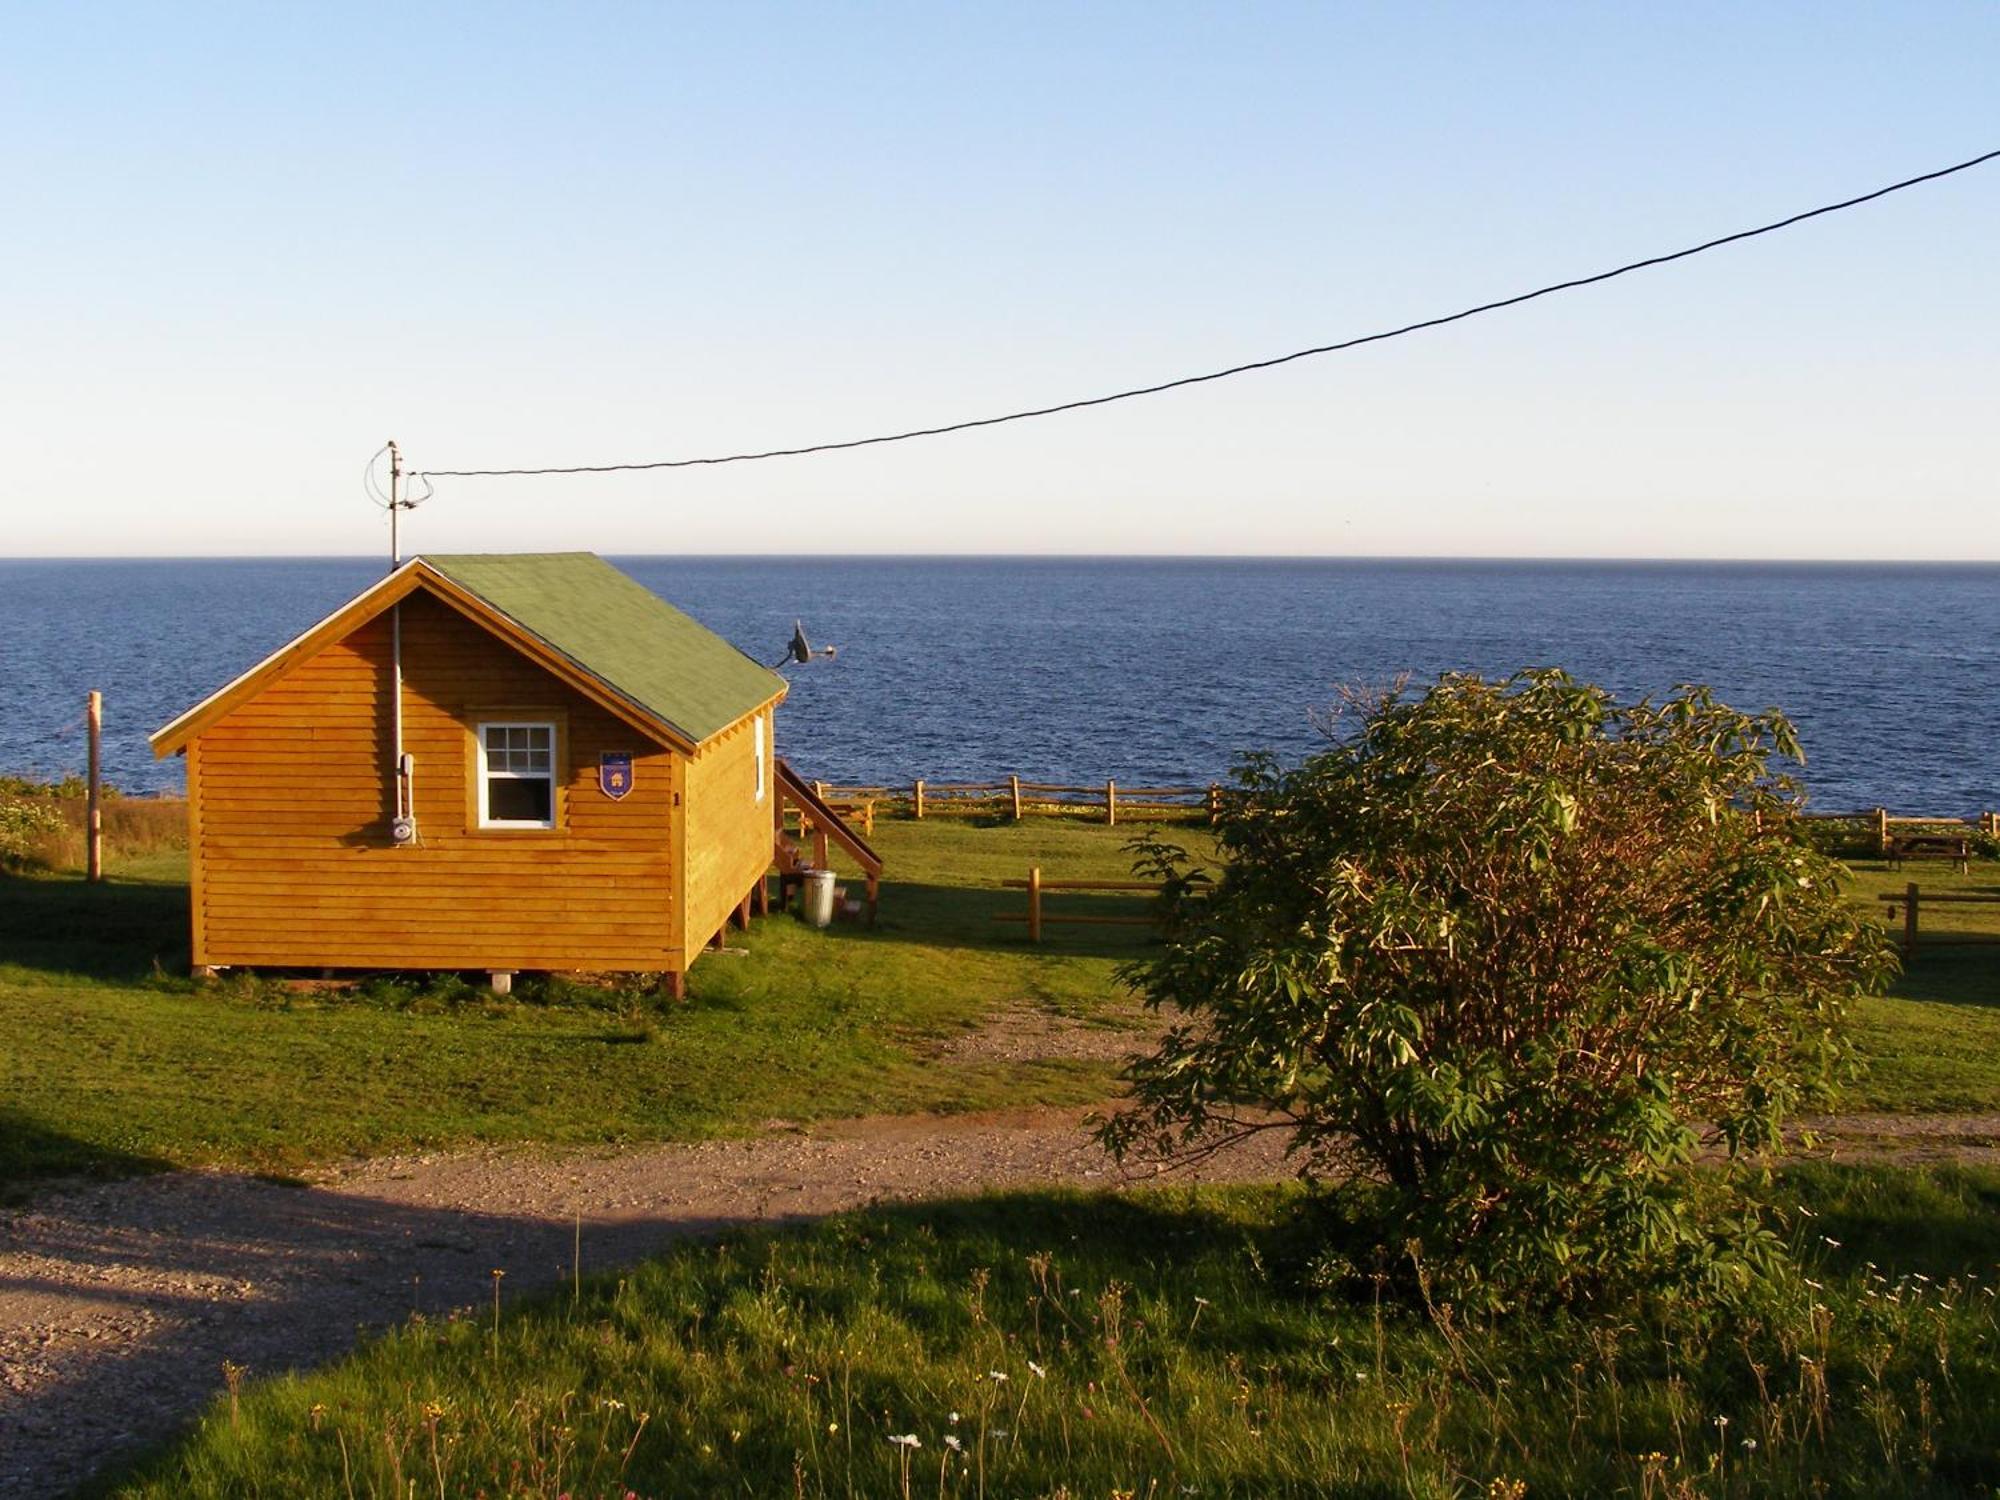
822,824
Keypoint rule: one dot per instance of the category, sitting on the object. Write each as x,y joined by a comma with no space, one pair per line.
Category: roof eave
173,737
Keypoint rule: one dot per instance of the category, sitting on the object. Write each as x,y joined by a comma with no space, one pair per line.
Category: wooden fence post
1910,920
1214,802
94,825
917,800
1014,786
1882,831
1035,904
1111,804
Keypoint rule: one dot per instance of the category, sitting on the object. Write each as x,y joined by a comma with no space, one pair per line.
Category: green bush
28,829
71,788
1845,838
1505,951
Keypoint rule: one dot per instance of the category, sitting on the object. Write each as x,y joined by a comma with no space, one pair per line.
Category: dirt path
119,1302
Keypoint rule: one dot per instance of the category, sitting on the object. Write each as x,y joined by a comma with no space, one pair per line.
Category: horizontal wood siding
292,829
729,836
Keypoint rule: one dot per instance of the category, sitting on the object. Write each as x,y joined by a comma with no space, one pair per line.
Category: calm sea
1143,670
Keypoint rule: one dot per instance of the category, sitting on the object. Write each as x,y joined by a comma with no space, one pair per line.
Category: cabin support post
94,827
763,895
1111,804
917,800
501,981
743,910
1035,904
677,984
1910,920
1014,788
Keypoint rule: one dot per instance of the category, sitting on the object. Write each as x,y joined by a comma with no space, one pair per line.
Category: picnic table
1951,846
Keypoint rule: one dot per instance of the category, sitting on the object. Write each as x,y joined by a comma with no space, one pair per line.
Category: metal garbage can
817,898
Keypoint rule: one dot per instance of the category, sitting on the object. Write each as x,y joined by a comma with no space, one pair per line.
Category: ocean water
1143,670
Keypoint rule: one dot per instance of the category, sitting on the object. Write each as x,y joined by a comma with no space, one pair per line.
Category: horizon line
1627,559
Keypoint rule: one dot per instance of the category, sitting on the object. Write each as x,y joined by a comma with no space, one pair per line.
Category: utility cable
1242,369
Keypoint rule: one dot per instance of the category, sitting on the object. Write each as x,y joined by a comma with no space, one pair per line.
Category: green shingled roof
621,633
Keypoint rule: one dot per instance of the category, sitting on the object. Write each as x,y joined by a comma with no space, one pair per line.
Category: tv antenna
397,500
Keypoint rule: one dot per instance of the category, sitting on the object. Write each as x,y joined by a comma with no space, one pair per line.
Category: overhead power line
1242,369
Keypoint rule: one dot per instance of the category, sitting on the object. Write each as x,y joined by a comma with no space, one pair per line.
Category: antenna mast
396,503
403,818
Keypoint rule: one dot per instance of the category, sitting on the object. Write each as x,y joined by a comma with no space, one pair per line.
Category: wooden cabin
488,762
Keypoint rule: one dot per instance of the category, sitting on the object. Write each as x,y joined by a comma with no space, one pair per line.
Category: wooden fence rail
1037,887
1018,799
1911,901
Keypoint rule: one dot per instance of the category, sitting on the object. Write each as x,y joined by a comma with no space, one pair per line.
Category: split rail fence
1109,801
1911,902
1037,888
1013,798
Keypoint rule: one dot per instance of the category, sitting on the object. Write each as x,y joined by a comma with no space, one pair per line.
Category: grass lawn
112,1061
1933,1042
1157,1345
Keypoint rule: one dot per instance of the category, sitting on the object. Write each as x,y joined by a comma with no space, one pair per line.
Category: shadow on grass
30,1153
123,929
1942,1221
1952,976
969,917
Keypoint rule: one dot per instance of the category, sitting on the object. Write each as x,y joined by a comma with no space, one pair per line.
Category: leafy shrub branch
1507,949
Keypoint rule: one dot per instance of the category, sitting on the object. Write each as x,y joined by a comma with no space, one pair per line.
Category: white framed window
758,744
517,775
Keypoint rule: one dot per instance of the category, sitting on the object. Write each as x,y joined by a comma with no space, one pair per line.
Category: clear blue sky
245,244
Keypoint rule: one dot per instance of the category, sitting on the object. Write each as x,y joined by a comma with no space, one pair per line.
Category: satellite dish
801,650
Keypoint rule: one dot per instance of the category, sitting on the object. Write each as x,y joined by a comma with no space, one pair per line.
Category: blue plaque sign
614,773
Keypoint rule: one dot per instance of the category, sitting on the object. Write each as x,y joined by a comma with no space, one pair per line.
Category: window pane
495,738
517,739
540,736
518,800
